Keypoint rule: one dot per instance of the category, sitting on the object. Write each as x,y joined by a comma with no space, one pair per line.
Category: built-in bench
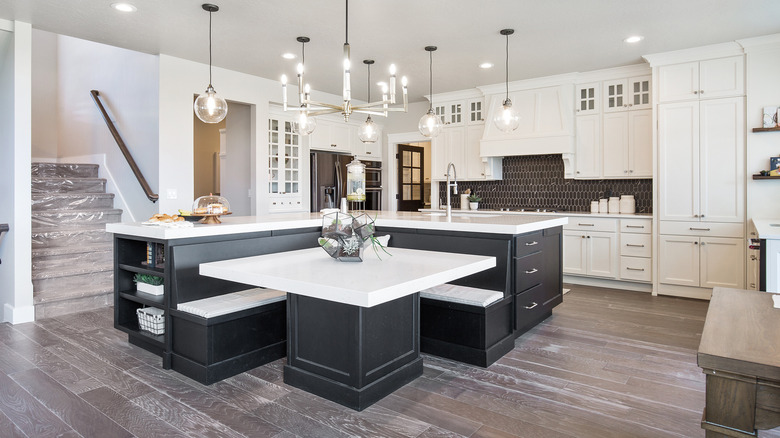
224,335
466,324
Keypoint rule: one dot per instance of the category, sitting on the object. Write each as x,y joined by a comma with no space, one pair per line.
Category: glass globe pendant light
209,107
368,132
430,124
506,119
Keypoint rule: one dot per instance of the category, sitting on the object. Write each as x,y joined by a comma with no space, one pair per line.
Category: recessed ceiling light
486,65
288,55
634,39
124,7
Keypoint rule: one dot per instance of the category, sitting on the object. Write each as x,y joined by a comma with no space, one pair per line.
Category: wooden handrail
122,147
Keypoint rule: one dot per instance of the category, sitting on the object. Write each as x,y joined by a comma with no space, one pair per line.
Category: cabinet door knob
630,105
703,243
695,243
588,237
701,91
695,215
578,171
695,92
625,171
701,215
630,171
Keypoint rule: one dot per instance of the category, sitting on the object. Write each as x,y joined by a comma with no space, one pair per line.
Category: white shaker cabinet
713,78
332,136
701,160
588,99
448,147
588,152
591,253
627,94
628,144
705,262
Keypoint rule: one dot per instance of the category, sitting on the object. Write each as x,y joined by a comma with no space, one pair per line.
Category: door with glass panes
411,160
284,164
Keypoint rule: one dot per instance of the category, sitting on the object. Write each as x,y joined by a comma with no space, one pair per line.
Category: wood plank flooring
608,363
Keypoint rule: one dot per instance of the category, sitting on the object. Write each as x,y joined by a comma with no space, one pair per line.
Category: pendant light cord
507,66
210,48
346,21
368,84
430,78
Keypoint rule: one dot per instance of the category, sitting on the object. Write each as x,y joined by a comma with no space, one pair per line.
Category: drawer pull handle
638,246
587,225
531,243
532,271
635,226
699,229
530,307
635,269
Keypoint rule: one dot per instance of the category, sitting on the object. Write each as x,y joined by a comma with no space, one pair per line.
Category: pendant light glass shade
304,124
506,118
368,132
430,124
209,107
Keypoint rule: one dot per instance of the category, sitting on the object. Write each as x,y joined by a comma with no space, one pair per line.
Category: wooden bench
466,324
224,335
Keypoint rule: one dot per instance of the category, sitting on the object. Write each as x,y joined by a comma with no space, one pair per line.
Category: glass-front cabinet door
475,112
615,96
284,165
588,98
639,93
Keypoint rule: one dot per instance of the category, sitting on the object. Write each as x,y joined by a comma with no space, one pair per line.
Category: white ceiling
551,36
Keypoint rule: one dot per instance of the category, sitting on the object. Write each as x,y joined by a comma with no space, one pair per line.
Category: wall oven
373,185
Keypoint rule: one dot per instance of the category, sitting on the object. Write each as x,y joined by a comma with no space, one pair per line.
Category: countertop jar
614,205
627,204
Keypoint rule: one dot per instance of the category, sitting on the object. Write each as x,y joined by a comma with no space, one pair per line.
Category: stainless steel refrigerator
328,179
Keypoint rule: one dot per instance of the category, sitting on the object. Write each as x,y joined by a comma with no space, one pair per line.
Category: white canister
603,205
464,202
627,204
614,205
594,206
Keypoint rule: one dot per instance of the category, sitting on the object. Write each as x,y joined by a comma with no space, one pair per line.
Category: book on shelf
155,255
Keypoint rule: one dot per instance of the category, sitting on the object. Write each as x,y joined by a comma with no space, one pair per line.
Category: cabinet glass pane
416,176
407,176
583,94
407,158
274,188
295,187
475,113
415,193
455,113
416,159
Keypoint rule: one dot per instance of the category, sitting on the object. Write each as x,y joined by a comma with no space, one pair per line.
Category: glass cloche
356,181
210,207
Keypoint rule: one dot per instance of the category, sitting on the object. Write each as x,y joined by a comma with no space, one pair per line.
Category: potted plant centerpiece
150,284
474,200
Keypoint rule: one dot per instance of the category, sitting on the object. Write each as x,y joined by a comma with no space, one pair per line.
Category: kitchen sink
437,213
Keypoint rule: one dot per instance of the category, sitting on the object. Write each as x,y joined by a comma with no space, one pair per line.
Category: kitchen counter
461,221
767,228
546,213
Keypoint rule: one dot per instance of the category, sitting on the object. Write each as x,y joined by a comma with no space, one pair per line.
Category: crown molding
695,54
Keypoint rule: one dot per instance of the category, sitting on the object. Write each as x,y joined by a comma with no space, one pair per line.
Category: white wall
15,140
44,96
763,89
235,175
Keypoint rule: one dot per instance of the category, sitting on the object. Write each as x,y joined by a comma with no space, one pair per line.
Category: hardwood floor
608,363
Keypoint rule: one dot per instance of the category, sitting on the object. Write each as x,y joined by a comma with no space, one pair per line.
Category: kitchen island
527,272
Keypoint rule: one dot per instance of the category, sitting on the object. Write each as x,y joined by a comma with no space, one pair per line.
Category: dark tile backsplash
537,181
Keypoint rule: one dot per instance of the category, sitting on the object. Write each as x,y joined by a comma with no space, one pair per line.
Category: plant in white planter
150,284
474,200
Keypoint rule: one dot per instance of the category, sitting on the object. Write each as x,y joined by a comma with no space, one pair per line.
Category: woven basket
151,319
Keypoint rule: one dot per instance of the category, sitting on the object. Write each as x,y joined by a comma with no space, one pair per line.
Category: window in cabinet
588,99
475,111
440,111
455,113
284,153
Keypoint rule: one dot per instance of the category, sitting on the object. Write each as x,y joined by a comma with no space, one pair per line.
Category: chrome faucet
454,185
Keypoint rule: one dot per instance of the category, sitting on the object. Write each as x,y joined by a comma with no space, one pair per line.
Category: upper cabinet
627,94
335,135
284,164
463,111
588,99
713,78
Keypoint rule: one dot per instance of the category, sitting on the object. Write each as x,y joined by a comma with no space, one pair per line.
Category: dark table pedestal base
352,355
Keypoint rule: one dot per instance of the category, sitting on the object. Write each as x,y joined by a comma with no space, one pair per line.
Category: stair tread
71,195
76,211
63,250
71,271
40,297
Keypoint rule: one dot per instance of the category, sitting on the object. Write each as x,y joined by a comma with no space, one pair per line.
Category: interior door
411,162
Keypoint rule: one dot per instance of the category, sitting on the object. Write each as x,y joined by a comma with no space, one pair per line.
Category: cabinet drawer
636,226
528,271
591,224
528,243
635,269
719,229
636,245
535,302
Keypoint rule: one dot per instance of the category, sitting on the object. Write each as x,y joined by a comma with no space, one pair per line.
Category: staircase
72,255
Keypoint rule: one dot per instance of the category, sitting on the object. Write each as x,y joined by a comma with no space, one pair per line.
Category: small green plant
148,279
475,198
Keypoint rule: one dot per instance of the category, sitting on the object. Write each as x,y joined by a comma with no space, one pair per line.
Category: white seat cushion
462,294
232,302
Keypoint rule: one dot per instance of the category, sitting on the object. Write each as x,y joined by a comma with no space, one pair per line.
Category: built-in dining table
353,329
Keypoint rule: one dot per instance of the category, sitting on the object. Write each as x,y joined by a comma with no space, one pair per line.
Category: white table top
313,273
479,223
767,228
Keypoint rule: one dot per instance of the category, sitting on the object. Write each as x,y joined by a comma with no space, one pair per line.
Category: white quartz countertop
767,228
461,221
550,213
311,272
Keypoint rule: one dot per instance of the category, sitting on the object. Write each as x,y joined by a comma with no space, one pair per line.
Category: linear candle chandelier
308,108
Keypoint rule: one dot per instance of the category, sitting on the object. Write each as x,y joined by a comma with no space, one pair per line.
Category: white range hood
546,120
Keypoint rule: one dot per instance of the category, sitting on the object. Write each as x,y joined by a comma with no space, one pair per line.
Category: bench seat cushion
462,294
232,302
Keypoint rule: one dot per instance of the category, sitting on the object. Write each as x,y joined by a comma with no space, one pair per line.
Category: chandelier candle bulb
284,91
392,83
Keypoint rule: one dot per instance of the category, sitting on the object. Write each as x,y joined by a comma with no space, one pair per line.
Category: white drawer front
635,245
714,229
591,224
636,269
636,226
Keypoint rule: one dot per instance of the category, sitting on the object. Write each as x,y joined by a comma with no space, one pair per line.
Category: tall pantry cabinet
700,176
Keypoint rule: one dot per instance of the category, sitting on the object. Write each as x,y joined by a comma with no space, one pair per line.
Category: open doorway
222,158
413,176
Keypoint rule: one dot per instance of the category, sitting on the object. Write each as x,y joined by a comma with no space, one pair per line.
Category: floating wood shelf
765,177
776,128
